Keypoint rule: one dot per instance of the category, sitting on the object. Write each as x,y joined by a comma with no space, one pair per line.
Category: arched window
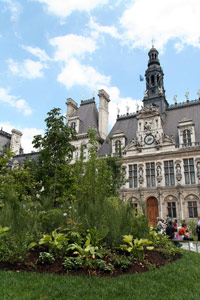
152,80
187,137
118,145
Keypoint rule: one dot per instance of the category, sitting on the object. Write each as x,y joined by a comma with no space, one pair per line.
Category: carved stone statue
175,99
147,125
145,93
140,140
198,169
141,178
157,138
159,171
198,93
187,96
178,172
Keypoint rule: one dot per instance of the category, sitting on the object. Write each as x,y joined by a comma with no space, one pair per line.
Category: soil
153,259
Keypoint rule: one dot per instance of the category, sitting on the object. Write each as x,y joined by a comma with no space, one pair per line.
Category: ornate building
160,146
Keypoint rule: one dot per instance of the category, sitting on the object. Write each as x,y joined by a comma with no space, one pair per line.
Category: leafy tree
56,151
96,193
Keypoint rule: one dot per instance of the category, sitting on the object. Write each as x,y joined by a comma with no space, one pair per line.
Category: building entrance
152,210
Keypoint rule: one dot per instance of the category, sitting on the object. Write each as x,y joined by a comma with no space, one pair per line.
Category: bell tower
155,92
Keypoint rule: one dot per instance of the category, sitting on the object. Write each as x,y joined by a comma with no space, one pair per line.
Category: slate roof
88,115
173,114
30,156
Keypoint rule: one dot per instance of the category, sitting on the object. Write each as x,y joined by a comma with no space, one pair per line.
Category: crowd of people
171,229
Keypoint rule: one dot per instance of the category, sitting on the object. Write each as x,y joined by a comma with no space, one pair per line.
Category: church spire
155,92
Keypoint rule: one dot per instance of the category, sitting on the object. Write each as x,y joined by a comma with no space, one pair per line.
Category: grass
179,280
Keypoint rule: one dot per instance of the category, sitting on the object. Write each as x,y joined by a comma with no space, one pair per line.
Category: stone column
180,203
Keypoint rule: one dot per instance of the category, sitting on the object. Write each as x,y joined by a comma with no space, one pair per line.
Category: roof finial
175,99
198,93
82,96
152,41
93,93
127,108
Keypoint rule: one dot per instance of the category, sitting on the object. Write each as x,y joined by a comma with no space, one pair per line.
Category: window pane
190,212
195,212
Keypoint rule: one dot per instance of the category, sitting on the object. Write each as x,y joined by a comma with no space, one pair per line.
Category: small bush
73,263
46,258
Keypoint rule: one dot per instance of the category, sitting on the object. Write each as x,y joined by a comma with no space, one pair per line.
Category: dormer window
187,137
73,125
186,132
118,146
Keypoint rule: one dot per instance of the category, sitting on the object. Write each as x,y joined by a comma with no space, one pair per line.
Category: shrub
46,258
73,263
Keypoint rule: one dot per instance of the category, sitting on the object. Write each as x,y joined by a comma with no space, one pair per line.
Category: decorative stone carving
157,138
187,96
198,169
178,172
141,178
159,174
139,140
175,99
148,125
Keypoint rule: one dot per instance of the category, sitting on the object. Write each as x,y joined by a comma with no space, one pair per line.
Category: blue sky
55,49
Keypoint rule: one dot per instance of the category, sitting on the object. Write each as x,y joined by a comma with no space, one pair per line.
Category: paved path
186,247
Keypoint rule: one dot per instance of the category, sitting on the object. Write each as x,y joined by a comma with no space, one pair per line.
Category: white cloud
14,7
36,51
162,21
111,30
28,68
119,103
27,137
20,104
63,8
74,73
72,45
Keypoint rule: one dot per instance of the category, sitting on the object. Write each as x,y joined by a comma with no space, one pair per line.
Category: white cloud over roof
163,21
75,73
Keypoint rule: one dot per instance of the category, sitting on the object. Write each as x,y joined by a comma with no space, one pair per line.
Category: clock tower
155,92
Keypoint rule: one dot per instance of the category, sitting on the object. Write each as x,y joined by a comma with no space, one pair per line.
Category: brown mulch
153,259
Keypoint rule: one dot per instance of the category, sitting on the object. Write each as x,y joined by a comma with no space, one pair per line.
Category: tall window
118,145
189,171
192,208
169,172
150,174
186,137
171,207
133,173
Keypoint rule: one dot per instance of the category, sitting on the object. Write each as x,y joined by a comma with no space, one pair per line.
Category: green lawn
179,280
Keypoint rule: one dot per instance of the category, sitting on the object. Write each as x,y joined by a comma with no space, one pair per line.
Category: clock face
149,139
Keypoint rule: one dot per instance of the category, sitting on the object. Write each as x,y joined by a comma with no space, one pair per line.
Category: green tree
56,150
96,193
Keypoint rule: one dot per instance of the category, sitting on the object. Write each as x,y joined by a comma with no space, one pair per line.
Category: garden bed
153,259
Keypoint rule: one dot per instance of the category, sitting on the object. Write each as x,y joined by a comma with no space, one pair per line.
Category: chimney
104,100
15,143
72,107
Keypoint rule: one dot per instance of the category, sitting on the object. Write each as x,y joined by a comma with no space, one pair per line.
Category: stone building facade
159,143
11,141
160,146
